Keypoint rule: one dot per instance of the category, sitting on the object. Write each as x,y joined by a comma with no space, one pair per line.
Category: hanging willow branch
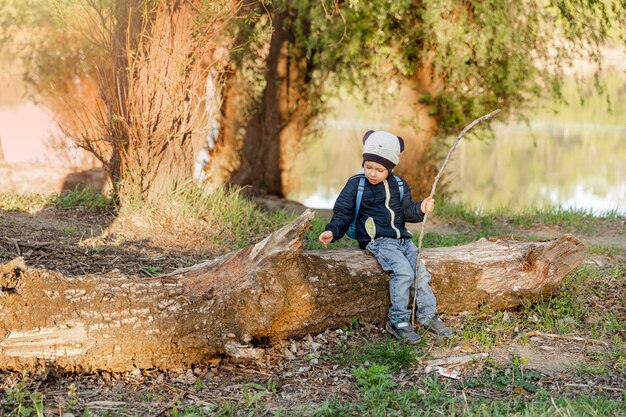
432,193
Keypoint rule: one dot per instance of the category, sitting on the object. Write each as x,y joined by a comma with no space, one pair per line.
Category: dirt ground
292,374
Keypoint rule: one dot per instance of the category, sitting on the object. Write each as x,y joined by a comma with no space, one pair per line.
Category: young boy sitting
385,206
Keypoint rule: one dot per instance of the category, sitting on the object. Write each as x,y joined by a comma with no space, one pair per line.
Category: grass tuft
388,352
498,222
83,197
317,227
223,217
30,203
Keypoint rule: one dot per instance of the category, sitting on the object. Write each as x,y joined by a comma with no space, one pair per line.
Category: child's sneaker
438,327
403,330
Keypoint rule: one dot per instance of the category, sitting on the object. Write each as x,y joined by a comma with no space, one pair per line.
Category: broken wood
245,299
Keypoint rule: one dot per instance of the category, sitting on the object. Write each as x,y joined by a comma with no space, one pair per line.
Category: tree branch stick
455,360
432,193
564,337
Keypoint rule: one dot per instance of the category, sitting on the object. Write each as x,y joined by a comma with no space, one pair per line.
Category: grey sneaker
438,327
402,330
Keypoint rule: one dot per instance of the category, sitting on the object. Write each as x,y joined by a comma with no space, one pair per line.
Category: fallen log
253,296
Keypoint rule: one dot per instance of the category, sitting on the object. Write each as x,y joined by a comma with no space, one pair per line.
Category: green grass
499,222
512,379
23,203
20,400
67,230
573,219
317,227
387,352
608,361
486,329
573,309
153,271
223,217
607,250
379,394
547,406
434,240
84,198
462,212
519,407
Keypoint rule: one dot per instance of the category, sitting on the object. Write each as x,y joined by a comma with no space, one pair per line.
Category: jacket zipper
393,215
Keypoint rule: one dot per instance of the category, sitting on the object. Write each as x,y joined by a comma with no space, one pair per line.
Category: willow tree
445,63
125,78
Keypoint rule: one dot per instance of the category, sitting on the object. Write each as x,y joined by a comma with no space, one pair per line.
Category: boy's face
375,172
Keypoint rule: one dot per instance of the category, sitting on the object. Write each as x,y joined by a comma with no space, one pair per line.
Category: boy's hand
326,237
428,205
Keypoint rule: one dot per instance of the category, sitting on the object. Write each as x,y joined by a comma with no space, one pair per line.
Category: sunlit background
571,154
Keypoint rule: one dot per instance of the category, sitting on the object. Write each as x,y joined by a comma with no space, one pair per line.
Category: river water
575,159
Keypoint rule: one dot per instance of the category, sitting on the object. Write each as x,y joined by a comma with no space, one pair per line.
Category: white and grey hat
382,147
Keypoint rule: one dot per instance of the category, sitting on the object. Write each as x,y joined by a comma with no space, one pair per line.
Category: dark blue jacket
382,203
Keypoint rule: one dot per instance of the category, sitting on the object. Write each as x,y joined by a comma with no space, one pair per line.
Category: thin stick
565,337
604,387
432,193
455,360
555,406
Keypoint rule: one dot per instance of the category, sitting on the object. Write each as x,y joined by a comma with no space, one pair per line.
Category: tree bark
253,296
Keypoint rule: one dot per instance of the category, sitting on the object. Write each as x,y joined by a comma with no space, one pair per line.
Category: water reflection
329,159
29,132
572,165
547,163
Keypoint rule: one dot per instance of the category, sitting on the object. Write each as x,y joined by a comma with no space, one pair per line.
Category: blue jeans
399,256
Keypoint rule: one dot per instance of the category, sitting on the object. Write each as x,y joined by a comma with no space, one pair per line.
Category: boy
380,229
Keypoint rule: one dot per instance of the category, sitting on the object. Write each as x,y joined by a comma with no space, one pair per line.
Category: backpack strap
400,187
359,196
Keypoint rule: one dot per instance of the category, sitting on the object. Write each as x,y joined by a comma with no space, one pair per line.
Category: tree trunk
273,133
255,296
412,120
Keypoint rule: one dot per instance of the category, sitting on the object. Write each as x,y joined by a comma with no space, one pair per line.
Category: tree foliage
483,53
462,59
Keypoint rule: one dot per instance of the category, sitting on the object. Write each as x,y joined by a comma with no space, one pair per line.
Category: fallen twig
17,248
595,386
169,405
432,193
455,360
556,407
574,338
105,404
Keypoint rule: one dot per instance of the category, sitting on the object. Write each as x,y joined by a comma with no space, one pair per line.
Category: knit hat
382,147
